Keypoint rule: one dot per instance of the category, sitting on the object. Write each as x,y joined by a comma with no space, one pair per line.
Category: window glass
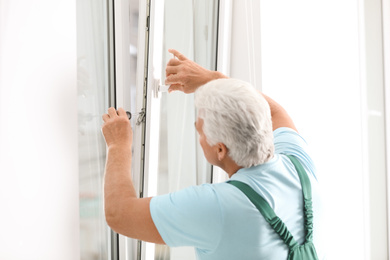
181,162
92,75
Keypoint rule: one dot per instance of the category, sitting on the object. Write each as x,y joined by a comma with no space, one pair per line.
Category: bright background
322,60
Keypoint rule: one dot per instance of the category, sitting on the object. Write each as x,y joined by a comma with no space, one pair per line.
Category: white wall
38,130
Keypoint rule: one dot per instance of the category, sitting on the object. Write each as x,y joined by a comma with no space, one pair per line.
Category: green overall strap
267,212
270,216
307,199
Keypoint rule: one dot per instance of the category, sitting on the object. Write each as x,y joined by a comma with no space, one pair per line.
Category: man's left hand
117,129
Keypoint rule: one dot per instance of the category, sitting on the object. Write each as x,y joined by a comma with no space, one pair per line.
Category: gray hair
238,116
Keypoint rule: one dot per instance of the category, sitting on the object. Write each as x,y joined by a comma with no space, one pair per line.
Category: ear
222,151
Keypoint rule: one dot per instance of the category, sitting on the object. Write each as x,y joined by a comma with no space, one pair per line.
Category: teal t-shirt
220,221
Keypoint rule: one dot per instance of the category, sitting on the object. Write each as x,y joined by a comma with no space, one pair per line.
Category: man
245,133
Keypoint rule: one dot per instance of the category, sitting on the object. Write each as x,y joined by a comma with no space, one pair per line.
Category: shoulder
288,135
289,142
193,198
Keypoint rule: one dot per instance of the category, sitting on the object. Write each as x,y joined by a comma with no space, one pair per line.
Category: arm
185,75
125,213
279,115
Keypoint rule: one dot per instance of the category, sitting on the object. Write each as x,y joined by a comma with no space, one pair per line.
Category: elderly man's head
232,112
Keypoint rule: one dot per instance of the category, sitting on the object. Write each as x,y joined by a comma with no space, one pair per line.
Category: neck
233,171
230,167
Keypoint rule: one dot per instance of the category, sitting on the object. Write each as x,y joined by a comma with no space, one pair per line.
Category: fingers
172,79
112,113
175,87
171,70
105,117
173,62
122,112
172,67
178,54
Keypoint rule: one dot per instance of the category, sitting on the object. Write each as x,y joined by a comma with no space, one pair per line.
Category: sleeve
190,217
288,141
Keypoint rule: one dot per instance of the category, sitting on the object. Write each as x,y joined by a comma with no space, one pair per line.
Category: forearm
125,213
279,115
118,184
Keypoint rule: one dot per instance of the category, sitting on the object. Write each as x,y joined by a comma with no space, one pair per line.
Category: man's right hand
186,75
